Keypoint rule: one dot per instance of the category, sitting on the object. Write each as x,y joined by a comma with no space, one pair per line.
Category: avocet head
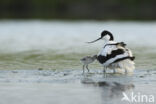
105,35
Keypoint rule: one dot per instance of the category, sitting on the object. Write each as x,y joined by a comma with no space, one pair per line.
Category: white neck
109,42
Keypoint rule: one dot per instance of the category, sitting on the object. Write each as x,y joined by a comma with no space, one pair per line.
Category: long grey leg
104,70
87,68
83,69
126,71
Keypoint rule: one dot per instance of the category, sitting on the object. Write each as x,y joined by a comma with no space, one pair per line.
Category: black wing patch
103,59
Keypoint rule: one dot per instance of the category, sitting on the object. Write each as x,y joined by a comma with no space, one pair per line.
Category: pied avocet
114,55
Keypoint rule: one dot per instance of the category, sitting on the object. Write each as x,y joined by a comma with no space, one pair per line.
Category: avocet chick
87,60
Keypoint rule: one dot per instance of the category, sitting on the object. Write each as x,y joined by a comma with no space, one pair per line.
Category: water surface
40,62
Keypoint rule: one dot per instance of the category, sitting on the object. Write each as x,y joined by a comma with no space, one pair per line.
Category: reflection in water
108,89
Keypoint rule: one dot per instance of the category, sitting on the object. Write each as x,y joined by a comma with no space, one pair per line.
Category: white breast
107,49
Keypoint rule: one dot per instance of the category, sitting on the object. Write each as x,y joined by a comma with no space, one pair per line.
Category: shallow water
40,62
71,86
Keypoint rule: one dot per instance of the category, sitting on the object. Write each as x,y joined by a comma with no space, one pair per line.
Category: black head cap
105,32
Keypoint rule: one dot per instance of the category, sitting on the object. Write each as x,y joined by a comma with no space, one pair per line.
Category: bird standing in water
87,60
115,55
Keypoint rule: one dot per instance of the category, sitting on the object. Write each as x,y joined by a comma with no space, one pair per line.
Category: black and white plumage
115,55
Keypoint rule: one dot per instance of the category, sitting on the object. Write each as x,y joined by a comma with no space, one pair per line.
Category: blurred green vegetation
78,9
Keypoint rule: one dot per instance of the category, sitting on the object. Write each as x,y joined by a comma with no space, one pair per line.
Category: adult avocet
114,55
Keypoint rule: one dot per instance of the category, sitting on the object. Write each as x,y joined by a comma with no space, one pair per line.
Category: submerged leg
83,68
87,68
114,71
